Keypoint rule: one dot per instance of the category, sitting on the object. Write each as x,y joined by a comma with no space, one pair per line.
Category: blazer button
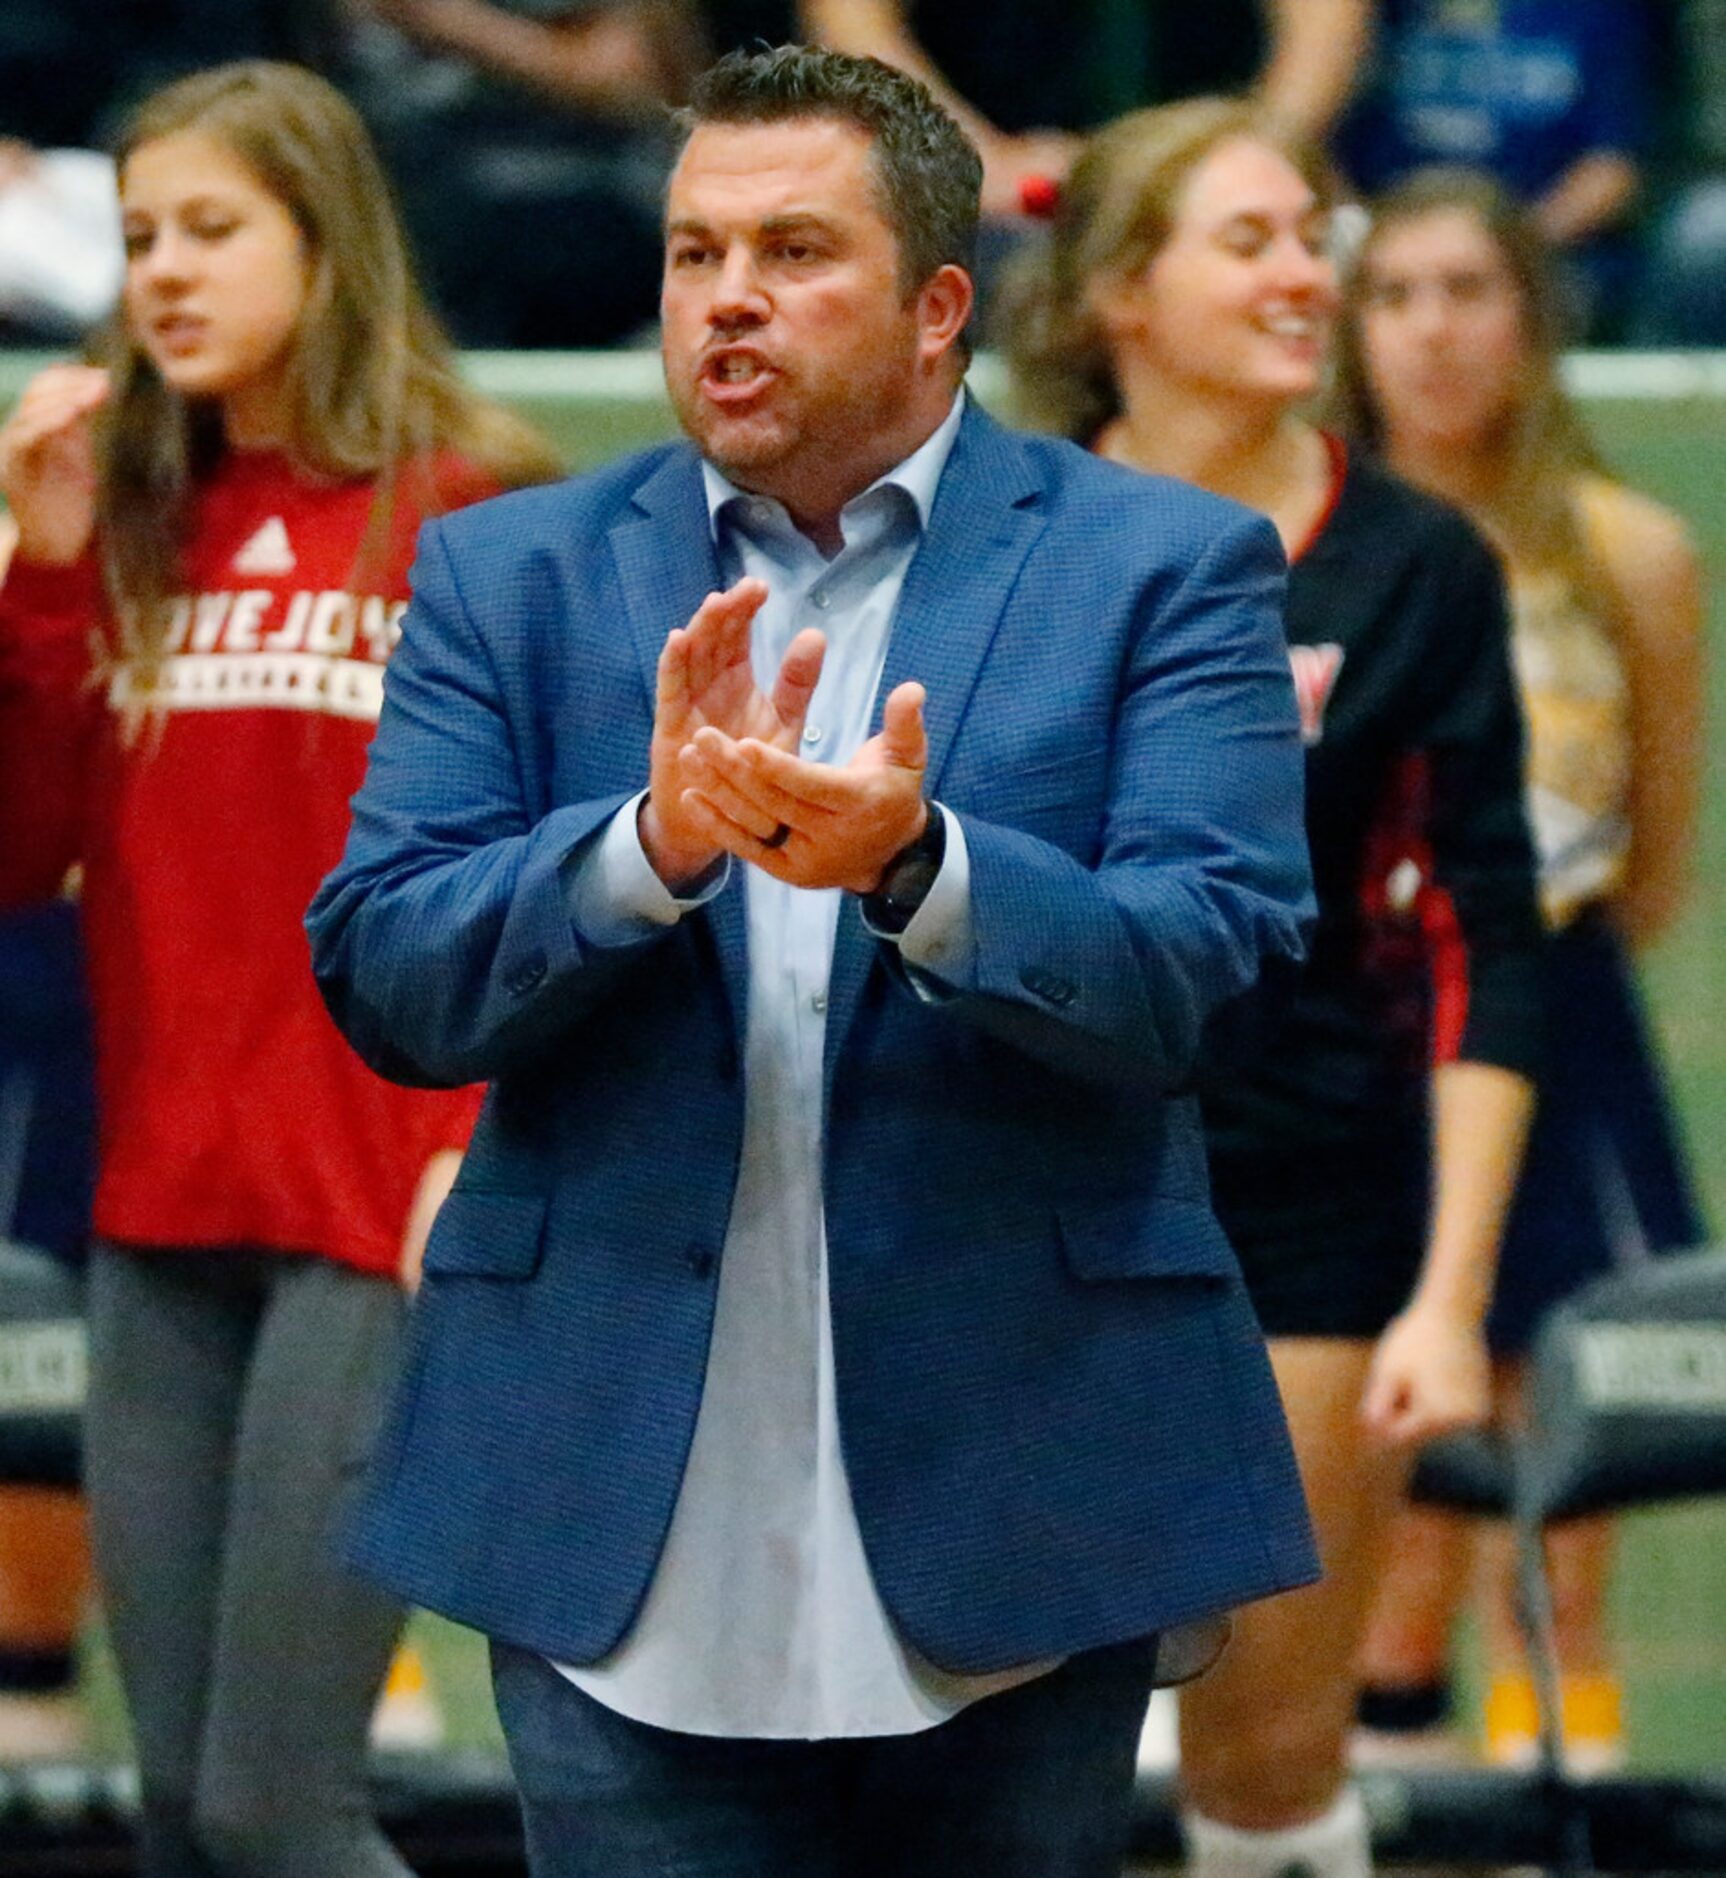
1049,986
700,1259
527,974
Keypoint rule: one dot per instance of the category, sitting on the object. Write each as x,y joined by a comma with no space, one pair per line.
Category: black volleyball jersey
1428,943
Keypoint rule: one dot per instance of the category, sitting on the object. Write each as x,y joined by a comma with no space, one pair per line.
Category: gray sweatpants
233,1400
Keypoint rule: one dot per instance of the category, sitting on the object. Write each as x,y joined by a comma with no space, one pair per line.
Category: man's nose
737,289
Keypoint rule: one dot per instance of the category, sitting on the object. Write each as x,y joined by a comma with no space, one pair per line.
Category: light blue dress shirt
762,1618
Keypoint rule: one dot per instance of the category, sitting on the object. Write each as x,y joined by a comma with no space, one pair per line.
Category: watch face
908,885
909,876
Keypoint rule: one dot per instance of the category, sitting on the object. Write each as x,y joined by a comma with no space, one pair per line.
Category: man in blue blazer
832,838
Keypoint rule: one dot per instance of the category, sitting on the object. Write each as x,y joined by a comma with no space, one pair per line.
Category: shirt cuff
614,896
938,942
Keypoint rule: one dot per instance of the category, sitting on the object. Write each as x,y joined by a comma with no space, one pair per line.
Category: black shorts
1330,1240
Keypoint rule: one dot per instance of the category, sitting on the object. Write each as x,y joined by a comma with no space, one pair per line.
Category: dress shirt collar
918,476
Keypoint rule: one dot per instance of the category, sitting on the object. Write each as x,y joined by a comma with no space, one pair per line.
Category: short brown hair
928,175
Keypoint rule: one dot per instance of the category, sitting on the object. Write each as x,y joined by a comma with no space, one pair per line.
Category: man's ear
944,303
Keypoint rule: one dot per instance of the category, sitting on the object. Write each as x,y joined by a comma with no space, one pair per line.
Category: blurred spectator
60,249
1022,75
528,137
1551,96
528,141
60,256
1681,293
1025,77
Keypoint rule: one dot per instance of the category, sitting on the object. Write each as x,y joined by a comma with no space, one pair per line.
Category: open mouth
734,376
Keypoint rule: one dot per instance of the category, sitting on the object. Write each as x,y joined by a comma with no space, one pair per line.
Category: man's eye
688,257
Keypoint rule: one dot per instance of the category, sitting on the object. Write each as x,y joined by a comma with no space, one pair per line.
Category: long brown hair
1545,447
373,389
1116,210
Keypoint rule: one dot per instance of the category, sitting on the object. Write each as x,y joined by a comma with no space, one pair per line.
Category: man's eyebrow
795,221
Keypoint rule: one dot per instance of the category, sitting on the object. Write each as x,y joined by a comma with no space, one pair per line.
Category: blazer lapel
666,566
987,514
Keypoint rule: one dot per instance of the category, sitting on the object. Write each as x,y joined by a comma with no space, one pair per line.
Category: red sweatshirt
232,1112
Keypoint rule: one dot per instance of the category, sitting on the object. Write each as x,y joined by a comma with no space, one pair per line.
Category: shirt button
813,733
823,600
818,1003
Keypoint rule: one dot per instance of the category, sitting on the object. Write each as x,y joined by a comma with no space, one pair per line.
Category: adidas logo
268,551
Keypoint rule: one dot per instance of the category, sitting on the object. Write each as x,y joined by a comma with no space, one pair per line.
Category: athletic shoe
1593,1724
407,1714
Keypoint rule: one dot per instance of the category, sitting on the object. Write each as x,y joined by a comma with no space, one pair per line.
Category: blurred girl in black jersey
1181,321
1449,367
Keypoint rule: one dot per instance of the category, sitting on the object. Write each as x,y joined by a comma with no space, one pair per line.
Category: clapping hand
810,823
706,684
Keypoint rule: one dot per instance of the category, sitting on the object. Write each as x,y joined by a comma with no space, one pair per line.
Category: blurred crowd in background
528,139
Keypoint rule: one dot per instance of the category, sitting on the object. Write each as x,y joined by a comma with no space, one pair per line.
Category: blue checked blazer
1058,1420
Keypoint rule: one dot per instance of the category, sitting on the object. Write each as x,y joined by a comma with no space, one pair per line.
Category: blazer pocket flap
488,1235
1162,1238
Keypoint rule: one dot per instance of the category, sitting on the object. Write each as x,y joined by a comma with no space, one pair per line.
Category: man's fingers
714,825
738,804
673,694
720,626
904,742
730,762
799,674
782,781
717,635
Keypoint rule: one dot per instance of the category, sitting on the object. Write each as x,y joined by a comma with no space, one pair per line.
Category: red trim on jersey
1337,451
1398,842
1448,953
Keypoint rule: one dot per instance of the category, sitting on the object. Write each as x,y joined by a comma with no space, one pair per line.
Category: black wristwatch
906,879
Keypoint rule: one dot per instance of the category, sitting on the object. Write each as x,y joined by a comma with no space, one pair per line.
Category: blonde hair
1116,210
1545,447
372,384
